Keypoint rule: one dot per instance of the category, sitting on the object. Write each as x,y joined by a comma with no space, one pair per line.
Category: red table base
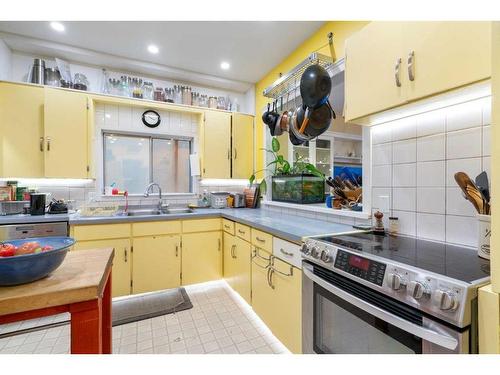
91,331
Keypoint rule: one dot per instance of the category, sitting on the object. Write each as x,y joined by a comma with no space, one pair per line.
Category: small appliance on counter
57,207
218,199
238,200
37,203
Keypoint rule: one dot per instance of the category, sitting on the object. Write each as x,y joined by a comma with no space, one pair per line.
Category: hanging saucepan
271,119
315,86
294,126
320,119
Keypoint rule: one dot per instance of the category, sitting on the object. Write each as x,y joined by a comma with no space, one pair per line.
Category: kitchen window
131,162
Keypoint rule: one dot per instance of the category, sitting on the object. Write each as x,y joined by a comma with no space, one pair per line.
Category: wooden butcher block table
80,286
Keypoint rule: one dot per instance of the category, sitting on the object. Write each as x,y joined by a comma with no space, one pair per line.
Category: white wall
413,165
21,64
5,61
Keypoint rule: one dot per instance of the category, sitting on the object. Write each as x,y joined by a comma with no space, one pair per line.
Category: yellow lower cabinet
277,298
201,257
121,263
156,263
242,257
229,260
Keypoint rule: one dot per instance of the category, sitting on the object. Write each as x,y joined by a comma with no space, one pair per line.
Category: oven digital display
358,262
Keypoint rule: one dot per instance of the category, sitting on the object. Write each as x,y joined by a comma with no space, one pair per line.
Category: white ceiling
252,48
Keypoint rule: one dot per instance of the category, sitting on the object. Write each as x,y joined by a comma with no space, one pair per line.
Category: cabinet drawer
203,225
243,231
156,227
228,226
100,232
287,251
262,239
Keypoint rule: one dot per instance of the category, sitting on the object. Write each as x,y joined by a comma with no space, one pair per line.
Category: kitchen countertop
288,227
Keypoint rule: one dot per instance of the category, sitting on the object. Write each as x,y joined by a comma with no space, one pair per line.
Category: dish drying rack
291,81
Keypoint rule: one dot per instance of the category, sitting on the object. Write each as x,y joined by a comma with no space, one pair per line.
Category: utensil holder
484,235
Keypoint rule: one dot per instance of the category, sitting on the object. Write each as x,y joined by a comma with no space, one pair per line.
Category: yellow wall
317,42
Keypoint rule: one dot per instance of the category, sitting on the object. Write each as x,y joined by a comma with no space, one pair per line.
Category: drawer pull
270,272
176,250
227,226
125,254
233,253
257,255
396,72
260,239
283,251
219,244
411,66
241,231
41,144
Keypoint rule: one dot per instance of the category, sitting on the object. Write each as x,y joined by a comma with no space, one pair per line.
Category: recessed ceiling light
225,65
153,49
57,26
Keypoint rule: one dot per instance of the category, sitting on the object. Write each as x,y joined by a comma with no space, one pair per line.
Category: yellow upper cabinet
216,158
21,136
242,145
66,134
446,55
370,69
393,63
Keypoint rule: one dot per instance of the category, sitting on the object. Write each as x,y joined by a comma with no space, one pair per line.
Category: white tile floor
219,322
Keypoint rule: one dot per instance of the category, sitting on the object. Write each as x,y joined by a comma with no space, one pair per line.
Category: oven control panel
363,268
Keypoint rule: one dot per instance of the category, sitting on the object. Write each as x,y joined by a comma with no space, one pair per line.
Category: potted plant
299,183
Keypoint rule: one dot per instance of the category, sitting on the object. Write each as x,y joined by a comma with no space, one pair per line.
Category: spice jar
203,102
147,90
137,88
177,94
80,82
195,99
159,95
124,87
212,102
186,95
169,95
393,225
221,102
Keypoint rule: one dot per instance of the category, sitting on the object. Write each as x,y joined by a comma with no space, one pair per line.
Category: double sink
155,211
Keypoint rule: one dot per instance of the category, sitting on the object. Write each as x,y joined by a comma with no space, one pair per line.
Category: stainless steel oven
342,316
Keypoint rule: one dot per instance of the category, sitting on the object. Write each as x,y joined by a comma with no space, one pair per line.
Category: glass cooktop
457,262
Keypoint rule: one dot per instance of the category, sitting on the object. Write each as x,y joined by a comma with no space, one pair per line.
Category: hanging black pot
315,86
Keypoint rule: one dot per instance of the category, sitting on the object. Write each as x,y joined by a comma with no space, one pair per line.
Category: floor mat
145,306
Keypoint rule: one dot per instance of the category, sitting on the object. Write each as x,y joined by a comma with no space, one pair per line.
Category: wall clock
151,119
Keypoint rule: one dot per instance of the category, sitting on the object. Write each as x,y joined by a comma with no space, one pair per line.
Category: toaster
239,200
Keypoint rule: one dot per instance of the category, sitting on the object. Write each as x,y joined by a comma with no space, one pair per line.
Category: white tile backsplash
431,173
404,175
404,151
463,144
423,152
431,147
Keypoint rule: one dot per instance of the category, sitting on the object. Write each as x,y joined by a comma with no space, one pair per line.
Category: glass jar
212,102
147,90
203,101
137,88
159,95
80,82
169,95
177,94
124,88
186,95
221,102
195,99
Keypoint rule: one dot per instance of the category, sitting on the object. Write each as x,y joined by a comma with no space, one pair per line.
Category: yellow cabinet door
229,263
120,282
21,135
262,293
446,55
287,323
201,257
242,257
370,69
156,263
216,160
242,146
66,134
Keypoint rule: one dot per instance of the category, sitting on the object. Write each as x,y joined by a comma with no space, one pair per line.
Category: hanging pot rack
291,81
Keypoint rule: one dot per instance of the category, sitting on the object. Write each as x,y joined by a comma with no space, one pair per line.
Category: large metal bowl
22,269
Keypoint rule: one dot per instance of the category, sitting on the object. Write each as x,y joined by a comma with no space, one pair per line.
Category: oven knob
417,290
304,249
315,253
326,256
396,282
445,300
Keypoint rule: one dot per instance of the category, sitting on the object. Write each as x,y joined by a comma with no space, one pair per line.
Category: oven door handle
426,334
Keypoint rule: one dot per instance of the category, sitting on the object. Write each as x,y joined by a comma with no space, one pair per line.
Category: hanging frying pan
315,86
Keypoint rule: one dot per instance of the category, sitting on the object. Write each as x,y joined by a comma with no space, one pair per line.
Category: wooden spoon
471,192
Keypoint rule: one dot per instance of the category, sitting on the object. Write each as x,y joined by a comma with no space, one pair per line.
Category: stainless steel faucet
149,190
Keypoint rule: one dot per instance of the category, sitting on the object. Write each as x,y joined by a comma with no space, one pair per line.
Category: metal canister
38,72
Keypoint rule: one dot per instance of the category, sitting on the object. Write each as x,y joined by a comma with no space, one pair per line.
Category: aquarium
300,188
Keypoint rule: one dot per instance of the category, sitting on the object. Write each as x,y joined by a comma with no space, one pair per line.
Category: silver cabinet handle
227,226
229,154
219,244
282,251
397,72
233,251
256,255
411,66
270,272
176,250
41,144
48,143
235,154
424,333
241,231
125,255
260,239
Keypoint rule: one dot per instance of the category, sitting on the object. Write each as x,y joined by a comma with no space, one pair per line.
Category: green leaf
313,170
275,144
280,159
286,167
272,162
251,179
263,186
